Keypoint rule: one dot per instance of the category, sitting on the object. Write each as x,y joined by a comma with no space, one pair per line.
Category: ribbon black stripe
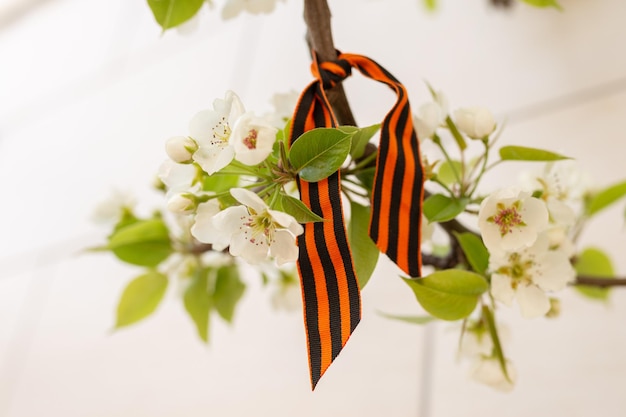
334,304
346,257
310,307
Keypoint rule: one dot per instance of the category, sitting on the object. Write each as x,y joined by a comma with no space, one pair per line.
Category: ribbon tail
398,191
332,305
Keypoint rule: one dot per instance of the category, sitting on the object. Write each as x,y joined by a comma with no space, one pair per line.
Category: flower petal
250,199
231,220
202,125
284,247
533,301
253,252
253,139
281,218
176,177
535,213
203,228
501,288
556,271
213,158
489,372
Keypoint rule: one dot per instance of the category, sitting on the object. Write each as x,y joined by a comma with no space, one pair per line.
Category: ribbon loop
331,73
332,304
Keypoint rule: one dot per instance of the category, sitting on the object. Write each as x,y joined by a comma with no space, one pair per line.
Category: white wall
89,91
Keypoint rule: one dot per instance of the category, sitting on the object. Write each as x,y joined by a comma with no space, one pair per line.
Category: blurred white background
90,90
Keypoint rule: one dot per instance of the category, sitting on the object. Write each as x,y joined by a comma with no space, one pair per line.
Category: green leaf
594,262
455,133
364,250
144,243
228,291
140,298
297,209
606,197
544,3
319,153
523,153
409,319
171,13
441,208
361,136
495,337
449,172
451,294
127,218
475,251
220,183
198,301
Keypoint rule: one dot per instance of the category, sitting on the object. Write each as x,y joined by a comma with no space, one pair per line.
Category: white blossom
178,177
488,370
252,139
111,209
211,130
560,240
181,149
284,105
430,116
233,8
254,231
560,189
510,219
564,181
203,228
183,203
527,274
475,122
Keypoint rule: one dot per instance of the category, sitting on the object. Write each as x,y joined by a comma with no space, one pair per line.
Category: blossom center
250,140
221,132
262,228
507,218
518,269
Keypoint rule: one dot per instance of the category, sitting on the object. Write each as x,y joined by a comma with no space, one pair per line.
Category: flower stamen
507,218
251,140
221,133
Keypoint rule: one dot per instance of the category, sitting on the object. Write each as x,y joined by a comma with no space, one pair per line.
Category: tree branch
317,17
601,282
320,38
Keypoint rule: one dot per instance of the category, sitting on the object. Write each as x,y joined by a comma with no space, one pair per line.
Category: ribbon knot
330,291
331,73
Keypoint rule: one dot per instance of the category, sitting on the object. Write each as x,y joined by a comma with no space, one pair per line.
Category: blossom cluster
529,247
229,141
229,184
527,232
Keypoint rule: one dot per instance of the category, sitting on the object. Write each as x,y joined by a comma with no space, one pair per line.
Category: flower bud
475,122
180,149
184,203
428,118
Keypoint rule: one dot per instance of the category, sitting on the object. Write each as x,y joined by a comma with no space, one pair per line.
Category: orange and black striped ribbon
332,306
